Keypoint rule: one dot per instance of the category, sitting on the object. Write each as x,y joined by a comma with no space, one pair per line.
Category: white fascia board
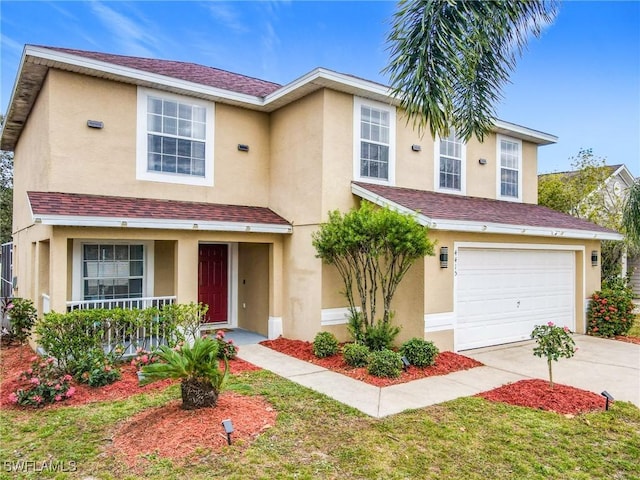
147,78
114,222
525,133
482,227
384,202
324,76
466,226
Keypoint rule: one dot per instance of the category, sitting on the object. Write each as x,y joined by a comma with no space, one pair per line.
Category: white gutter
116,222
482,227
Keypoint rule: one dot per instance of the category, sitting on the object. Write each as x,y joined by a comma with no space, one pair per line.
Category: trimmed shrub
419,352
356,354
385,363
69,336
611,309
325,345
381,335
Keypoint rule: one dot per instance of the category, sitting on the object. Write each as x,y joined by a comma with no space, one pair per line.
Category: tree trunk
197,395
550,373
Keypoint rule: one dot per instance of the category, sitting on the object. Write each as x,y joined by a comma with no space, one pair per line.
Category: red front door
213,286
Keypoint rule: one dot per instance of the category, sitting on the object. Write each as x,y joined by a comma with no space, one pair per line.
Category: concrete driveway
599,364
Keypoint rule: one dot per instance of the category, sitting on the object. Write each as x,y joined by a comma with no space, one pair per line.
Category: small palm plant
198,369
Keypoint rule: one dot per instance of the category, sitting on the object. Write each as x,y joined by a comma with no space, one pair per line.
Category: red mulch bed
16,359
538,394
446,362
624,338
169,431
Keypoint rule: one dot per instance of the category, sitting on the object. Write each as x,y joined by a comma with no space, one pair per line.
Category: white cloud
136,37
227,16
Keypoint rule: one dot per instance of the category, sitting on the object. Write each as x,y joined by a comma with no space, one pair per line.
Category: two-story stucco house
157,180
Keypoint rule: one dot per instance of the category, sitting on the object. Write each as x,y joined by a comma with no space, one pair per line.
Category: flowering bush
22,316
96,369
553,342
45,384
143,357
226,348
611,310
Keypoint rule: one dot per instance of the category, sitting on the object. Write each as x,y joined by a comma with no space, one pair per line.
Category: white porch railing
125,303
148,336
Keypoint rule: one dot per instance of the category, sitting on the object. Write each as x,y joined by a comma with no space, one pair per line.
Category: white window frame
142,172
358,103
77,293
499,139
436,169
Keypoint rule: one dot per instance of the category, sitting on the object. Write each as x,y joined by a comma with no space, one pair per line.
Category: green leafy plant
45,383
325,344
419,352
68,336
196,366
22,317
372,249
188,316
552,342
385,363
380,335
96,369
356,354
611,309
226,348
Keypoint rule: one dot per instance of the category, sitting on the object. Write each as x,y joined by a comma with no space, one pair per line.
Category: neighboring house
613,191
157,181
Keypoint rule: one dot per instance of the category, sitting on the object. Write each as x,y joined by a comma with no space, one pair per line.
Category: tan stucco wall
302,295
103,161
295,177
31,158
253,287
164,267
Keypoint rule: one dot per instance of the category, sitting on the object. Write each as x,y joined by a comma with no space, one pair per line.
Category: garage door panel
502,294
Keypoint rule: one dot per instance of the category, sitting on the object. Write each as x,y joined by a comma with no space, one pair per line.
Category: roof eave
484,227
164,224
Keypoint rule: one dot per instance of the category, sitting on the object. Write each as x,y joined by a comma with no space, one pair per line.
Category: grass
316,437
635,330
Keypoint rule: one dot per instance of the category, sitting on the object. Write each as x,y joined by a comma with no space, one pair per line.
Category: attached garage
502,294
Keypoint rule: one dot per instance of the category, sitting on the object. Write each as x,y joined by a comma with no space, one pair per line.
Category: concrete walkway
598,365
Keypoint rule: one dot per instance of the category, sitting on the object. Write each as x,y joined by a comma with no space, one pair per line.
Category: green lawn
635,330
316,437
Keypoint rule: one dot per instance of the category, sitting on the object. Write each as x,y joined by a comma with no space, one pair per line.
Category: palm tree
631,214
197,368
451,58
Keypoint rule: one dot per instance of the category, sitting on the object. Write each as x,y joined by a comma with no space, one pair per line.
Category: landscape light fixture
594,258
405,363
444,257
608,396
228,429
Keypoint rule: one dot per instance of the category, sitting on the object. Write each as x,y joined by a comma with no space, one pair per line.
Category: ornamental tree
553,342
372,248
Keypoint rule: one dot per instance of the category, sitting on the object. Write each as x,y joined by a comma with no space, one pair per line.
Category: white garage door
502,294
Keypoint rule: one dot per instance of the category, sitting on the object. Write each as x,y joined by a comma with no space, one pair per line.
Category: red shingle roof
78,205
191,72
442,206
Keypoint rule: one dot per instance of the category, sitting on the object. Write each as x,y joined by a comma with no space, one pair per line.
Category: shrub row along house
141,181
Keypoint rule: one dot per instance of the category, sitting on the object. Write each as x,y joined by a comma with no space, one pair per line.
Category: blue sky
580,81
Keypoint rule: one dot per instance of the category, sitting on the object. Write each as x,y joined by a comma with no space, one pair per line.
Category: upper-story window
509,168
450,164
374,141
175,139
